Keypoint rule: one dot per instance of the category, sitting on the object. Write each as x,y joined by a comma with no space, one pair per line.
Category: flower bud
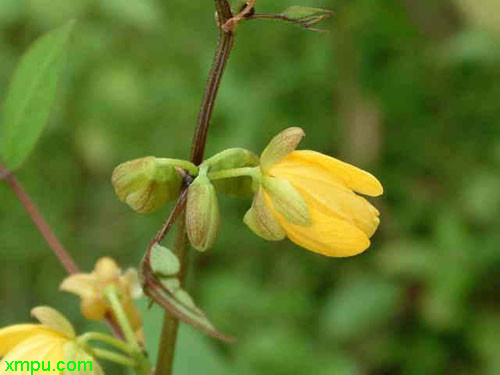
280,146
202,213
262,221
306,16
146,184
287,200
238,187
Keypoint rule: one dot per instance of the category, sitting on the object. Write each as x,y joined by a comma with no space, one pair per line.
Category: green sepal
85,363
280,147
238,187
287,200
261,220
53,319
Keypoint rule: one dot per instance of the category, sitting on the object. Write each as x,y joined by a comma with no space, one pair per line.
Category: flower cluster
105,293
311,198
91,288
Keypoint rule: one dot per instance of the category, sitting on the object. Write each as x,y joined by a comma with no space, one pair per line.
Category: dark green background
408,89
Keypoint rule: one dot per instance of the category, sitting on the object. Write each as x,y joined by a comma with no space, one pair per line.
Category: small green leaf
164,262
306,16
179,303
31,94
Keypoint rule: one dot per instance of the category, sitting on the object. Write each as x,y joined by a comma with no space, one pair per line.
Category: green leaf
164,262
170,295
306,16
195,353
30,96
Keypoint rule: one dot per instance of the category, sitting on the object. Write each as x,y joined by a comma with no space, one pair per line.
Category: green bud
306,16
287,200
280,146
261,220
146,184
239,187
164,262
202,213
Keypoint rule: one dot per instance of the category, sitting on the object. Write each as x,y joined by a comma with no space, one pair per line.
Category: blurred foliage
405,88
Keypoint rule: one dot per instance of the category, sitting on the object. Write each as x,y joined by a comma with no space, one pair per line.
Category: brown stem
39,221
170,327
58,249
224,47
168,339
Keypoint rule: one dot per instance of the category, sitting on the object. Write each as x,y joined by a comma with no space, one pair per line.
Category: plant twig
224,47
55,245
168,337
62,255
231,23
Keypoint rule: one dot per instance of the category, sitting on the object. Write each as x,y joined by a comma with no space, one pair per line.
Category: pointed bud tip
280,147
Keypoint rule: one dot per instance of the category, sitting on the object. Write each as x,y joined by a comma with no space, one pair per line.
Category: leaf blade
30,96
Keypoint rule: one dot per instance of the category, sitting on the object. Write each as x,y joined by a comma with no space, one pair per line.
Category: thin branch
230,24
64,258
168,339
224,47
55,245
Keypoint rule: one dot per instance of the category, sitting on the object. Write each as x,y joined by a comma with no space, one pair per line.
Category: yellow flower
54,341
311,199
90,288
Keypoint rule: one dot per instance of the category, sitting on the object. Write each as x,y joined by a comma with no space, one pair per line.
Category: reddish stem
60,252
37,218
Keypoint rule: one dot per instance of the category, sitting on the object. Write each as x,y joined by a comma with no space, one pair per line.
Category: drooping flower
91,289
24,347
311,199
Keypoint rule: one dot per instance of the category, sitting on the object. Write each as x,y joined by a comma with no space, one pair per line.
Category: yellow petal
327,235
130,281
13,335
107,270
36,348
349,175
81,284
332,199
93,308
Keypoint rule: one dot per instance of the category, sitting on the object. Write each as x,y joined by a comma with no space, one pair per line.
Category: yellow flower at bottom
90,288
342,222
45,344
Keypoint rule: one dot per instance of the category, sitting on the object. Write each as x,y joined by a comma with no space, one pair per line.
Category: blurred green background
408,89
